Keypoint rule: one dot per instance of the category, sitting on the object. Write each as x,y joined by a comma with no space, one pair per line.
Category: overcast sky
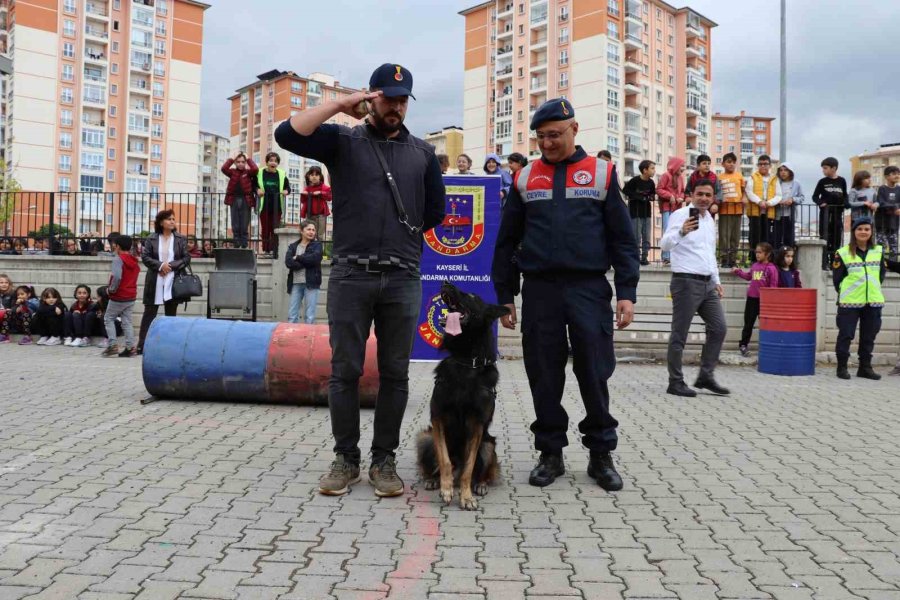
842,94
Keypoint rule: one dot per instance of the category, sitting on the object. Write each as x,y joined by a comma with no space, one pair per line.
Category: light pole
782,142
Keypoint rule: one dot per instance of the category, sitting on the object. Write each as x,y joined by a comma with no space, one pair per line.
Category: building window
563,13
68,73
563,80
612,144
612,53
157,109
564,35
114,68
64,184
68,50
521,72
612,121
111,154
113,89
112,132
563,58
156,152
612,98
160,47
158,90
161,28
612,30
296,87
761,138
65,162
521,93
65,140
157,130
761,126
113,110
65,118
69,6
115,47
92,138
519,116
155,172
69,28
521,50
612,76
612,6
66,95
110,176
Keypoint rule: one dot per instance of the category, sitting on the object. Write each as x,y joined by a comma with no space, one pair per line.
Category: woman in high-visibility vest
858,270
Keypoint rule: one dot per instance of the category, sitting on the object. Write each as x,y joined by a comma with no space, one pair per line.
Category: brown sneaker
110,351
337,481
383,476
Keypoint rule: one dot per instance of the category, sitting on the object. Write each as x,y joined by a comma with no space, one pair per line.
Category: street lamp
782,145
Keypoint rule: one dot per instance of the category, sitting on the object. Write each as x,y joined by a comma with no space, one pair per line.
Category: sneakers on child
4,339
127,353
54,341
103,343
75,343
68,341
26,340
744,350
85,342
110,351
43,340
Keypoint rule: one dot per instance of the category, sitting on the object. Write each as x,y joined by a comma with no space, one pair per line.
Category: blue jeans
665,225
356,299
299,291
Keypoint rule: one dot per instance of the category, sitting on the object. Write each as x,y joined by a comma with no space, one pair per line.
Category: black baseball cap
393,80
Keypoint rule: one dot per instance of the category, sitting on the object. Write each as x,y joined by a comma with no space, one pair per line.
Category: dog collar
476,363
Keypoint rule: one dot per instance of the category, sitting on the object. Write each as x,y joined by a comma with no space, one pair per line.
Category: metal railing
89,217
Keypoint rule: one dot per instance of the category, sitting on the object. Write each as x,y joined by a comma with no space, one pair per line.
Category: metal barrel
787,331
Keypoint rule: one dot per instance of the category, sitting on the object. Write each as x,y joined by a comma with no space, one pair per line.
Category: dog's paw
447,495
432,484
480,489
467,502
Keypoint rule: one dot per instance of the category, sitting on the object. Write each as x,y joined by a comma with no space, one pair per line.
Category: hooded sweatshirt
123,279
670,188
788,189
505,178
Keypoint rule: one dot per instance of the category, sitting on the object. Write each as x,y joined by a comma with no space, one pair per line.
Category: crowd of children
48,318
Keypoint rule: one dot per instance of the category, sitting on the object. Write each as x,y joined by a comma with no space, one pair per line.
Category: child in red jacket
240,195
670,191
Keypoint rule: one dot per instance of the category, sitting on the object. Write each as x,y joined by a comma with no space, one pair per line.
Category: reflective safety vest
259,181
587,178
862,285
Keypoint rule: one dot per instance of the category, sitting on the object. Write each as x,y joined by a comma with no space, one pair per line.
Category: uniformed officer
566,212
858,271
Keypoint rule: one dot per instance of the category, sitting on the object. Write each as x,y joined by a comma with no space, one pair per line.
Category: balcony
634,37
538,85
539,41
505,32
140,66
632,86
694,50
694,30
633,12
539,18
94,56
96,34
140,86
538,63
632,146
137,150
692,150
504,50
506,11
504,73
92,121
96,11
633,64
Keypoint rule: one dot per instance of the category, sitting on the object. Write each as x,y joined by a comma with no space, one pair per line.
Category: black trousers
357,299
150,312
581,304
783,234
751,313
46,325
240,222
80,324
869,319
757,231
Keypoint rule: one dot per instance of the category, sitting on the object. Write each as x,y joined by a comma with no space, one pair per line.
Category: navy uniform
567,225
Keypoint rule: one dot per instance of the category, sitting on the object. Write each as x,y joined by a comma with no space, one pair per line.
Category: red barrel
787,309
299,366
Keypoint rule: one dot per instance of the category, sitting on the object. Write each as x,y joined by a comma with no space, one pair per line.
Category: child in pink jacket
763,273
670,191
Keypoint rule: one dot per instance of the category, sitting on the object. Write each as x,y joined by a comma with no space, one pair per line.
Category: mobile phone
693,213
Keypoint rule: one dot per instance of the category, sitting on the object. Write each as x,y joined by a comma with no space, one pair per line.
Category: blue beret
861,221
558,109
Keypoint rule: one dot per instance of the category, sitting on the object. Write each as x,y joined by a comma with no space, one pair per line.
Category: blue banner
459,250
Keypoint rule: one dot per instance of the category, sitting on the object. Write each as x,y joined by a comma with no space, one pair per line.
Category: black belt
372,267
373,264
691,276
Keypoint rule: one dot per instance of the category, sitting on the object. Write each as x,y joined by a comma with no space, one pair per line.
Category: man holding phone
387,191
691,241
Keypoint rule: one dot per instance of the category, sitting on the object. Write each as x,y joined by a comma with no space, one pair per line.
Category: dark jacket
310,260
8,300
241,182
365,218
45,311
150,258
560,234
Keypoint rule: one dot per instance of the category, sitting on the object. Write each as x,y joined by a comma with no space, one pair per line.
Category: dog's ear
495,311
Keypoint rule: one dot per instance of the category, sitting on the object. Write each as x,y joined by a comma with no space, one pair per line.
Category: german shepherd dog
458,449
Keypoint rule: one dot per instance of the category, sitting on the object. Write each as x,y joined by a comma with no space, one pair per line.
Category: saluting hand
509,321
354,104
624,313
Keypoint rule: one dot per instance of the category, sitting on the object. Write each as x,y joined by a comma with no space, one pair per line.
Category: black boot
602,469
842,371
865,370
680,388
549,467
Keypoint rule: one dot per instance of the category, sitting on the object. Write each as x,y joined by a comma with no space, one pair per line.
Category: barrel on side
202,359
299,366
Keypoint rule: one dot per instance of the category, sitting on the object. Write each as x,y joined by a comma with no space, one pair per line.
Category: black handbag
186,285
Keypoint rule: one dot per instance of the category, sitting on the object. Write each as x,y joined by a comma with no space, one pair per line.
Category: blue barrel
787,352
193,358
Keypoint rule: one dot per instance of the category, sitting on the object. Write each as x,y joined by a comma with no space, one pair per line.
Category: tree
9,192
58,230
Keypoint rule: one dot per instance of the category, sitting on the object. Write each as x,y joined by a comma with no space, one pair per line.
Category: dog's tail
427,459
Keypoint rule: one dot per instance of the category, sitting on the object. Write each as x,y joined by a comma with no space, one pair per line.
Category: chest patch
582,177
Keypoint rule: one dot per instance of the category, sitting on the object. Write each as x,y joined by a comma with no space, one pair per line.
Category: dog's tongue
453,327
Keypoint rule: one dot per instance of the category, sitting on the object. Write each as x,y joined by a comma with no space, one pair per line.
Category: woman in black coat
164,254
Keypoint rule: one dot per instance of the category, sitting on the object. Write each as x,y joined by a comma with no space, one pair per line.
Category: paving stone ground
788,489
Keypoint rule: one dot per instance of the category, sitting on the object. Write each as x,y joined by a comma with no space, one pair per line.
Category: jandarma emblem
398,75
582,177
565,109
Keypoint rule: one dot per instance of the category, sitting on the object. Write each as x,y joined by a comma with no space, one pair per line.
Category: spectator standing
164,254
763,273
641,192
830,196
122,292
887,216
304,263
314,200
464,164
377,246
695,289
273,187
239,195
704,171
516,162
731,211
861,196
763,195
858,271
50,318
566,292
670,191
444,161
791,193
80,318
492,167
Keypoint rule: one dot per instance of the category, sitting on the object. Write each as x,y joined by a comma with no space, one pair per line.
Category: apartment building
448,140
212,214
274,97
875,162
745,135
636,71
105,97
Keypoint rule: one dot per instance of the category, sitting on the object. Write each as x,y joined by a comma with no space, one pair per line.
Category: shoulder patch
582,177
